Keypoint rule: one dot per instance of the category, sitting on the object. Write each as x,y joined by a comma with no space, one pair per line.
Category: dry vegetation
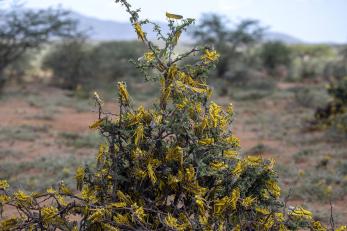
44,134
48,126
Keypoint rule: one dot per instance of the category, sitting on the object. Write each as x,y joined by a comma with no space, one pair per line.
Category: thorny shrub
174,166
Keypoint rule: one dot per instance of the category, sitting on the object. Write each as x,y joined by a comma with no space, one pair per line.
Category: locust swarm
173,166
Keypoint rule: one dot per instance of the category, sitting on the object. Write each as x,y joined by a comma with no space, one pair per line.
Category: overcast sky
309,20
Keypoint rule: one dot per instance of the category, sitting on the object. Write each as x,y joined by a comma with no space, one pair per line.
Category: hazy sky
308,20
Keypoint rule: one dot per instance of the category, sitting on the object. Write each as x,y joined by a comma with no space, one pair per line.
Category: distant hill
276,36
106,30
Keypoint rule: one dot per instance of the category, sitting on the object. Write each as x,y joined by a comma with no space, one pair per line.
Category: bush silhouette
334,114
174,166
70,63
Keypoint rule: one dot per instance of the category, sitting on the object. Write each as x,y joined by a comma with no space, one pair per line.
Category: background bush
75,62
70,63
275,54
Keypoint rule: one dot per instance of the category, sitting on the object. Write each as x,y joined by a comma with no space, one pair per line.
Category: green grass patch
43,172
77,140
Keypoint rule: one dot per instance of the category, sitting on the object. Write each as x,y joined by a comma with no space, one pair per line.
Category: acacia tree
174,166
23,29
274,54
70,63
230,42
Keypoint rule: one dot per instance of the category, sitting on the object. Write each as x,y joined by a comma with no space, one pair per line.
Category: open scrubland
45,135
185,159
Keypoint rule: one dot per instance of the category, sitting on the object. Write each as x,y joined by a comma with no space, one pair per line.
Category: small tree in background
174,166
75,62
274,55
112,59
337,69
70,63
23,29
232,43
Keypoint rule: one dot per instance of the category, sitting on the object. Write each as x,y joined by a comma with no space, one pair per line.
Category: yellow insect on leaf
254,160
119,205
165,92
175,153
271,163
101,153
109,227
218,165
139,31
341,228
237,228
173,180
200,203
317,226
51,190
139,173
138,134
190,173
139,212
232,140
180,86
248,201
48,214
123,92
262,210
96,124
172,222
4,184
210,56
231,154
62,200
151,173
199,90
203,125
121,219
238,169
279,216
22,197
64,189
173,16
206,141
273,188
137,153
80,172
124,198
172,72
176,37
235,195
181,105
267,222
4,199
301,213
220,205
149,56
221,227
230,109
215,111
186,78
203,219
